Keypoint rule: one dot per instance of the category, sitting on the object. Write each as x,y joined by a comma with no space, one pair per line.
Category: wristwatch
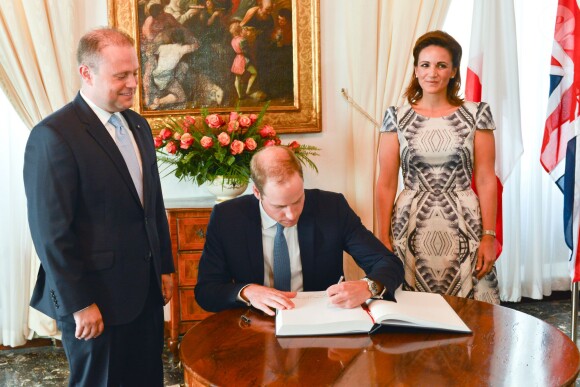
374,289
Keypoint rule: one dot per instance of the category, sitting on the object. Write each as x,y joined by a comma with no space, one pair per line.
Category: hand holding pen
348,294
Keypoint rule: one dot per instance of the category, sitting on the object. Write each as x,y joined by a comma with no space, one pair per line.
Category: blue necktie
281,260
126,147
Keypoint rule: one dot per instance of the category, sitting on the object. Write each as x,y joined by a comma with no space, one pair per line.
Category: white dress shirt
268,234
104,116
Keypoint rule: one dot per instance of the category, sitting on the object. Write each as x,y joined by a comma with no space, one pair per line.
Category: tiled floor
47,366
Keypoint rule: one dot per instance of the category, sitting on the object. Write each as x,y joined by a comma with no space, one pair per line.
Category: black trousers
123,355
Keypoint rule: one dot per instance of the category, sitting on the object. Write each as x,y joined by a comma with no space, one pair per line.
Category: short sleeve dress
436,220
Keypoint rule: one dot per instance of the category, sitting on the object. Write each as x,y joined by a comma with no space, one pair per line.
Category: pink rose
186,141
171,148
206,142
254,118
269,142
294,145
214,121
237,147
223,139
157,141
233,126
233,116
188,122
245,121
267,131
177,136
277,141
251,144
165,133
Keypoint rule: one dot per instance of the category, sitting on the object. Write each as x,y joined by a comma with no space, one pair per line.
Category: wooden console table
507,348
188,221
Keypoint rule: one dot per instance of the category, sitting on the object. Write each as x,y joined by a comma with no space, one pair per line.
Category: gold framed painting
223,55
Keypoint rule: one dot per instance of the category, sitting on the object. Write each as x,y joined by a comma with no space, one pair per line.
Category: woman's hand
485,256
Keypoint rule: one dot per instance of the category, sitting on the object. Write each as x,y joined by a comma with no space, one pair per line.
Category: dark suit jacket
95,240
232,256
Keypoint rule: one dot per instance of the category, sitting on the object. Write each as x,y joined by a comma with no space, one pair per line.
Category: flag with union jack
562,125
492,76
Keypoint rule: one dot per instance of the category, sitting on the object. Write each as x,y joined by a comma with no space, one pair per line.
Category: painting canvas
226,54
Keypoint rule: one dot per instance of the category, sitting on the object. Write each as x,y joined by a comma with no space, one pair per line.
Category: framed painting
223,55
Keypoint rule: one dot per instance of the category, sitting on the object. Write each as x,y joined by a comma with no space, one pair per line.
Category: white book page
417,309
315,315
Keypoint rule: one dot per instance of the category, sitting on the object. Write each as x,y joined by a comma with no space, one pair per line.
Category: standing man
261,249
98,222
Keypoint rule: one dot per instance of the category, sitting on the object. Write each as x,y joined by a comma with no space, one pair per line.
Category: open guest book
315,315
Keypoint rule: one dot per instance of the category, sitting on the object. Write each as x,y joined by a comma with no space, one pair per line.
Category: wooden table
507,348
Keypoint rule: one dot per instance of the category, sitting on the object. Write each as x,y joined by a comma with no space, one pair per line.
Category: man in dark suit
98,222
239,264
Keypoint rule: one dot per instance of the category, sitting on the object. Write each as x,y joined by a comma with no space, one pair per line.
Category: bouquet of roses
219,148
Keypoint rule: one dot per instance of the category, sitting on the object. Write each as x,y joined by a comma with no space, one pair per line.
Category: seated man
247,260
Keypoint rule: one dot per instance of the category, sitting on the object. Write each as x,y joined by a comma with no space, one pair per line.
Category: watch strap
374,289
380,295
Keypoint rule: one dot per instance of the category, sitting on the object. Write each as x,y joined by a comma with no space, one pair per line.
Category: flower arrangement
215,147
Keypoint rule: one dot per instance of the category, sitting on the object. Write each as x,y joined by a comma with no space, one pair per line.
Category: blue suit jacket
233,257
95,240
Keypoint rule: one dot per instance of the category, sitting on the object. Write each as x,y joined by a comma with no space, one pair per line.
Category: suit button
146,220
148,257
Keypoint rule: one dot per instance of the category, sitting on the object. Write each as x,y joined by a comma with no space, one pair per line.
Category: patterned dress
436,221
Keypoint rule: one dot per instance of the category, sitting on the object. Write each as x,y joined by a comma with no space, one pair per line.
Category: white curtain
379,45
37,56
534,258
15,242
38,75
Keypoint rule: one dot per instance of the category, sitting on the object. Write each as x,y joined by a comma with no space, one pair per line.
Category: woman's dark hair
442,39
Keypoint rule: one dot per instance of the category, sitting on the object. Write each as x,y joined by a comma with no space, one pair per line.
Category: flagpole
574,310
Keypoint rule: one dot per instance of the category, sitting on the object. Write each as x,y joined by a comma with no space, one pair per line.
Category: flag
492,77
562,123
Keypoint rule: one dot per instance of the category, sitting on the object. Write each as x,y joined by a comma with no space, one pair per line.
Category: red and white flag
560,151
492,77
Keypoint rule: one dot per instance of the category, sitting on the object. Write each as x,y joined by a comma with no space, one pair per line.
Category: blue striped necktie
128,151
281,260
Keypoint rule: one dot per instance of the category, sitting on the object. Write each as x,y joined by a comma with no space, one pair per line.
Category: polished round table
507,348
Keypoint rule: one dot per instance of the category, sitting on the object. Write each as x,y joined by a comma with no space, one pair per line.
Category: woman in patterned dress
441,230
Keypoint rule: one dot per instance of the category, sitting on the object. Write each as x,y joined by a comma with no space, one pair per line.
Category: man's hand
266,299
89,323
349,294
166,287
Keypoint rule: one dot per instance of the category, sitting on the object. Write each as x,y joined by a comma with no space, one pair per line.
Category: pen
332,295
